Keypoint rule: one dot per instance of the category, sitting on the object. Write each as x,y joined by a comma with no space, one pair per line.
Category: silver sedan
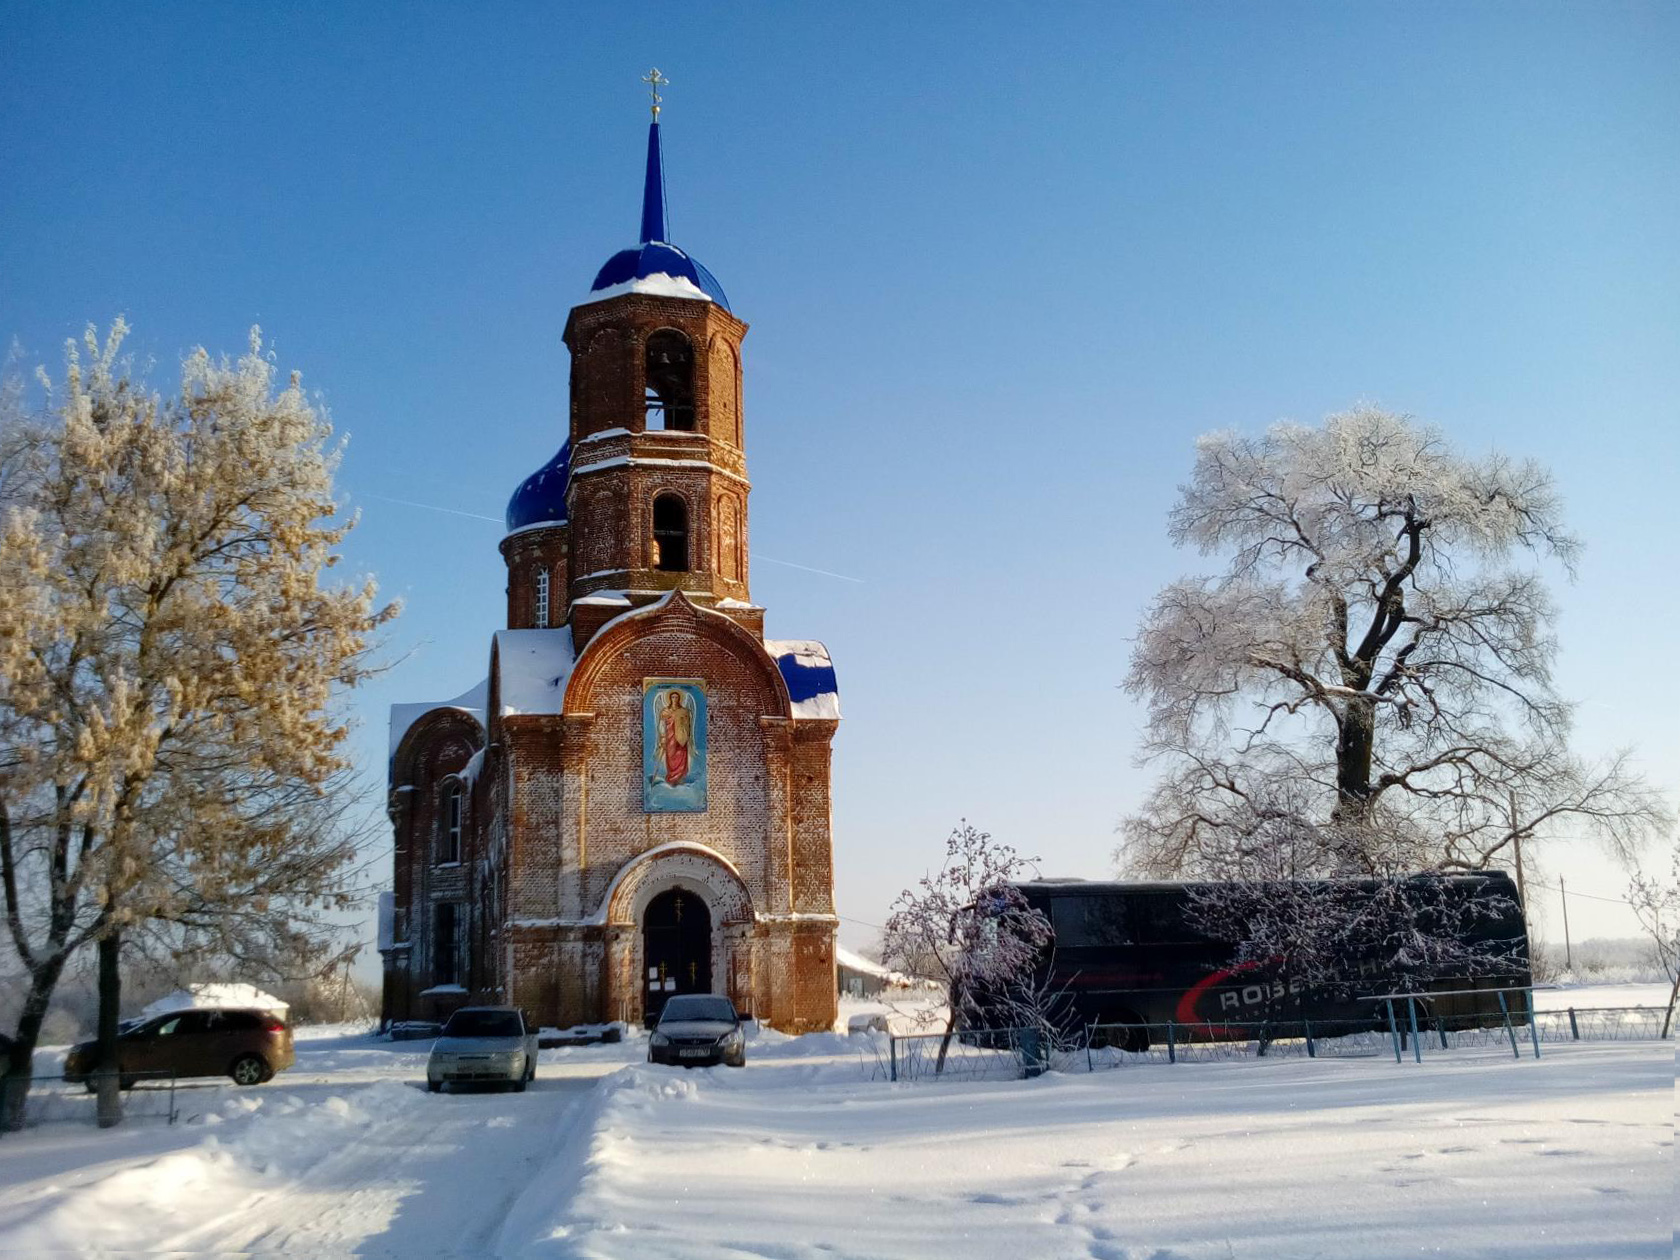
483,1045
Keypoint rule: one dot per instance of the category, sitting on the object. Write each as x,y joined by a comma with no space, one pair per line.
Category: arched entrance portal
676,949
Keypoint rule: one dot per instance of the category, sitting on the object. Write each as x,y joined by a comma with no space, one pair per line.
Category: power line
1620,901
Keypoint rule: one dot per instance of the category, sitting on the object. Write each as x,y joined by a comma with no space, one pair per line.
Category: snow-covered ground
1471,1153
343,1155
1584,996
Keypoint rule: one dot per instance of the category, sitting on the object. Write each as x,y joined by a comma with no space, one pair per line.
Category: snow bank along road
1468,1155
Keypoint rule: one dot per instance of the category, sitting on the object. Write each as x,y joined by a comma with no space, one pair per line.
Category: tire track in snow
437,1179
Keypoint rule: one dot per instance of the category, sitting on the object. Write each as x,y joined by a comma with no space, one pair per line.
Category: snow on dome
532,669
656,266
217,997
809,675
541,497
660,269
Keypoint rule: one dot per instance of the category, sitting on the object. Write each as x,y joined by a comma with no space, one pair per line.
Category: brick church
635,801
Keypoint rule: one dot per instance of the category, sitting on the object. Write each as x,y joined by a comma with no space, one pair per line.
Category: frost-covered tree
968,927
1655,898
1341,939
171,657
1365,688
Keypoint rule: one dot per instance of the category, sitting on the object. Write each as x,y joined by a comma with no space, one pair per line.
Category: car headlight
731,1039
659,1039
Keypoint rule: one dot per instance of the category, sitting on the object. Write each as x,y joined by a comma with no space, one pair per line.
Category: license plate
692,1054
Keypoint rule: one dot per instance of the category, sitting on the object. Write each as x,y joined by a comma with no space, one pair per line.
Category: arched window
539,613
446,943
670,534
449,825
669,378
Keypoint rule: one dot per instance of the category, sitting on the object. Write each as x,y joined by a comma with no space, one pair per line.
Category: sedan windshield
484,1024
693,1006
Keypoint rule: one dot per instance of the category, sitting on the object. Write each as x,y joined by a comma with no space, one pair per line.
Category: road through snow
403,1188
347,1155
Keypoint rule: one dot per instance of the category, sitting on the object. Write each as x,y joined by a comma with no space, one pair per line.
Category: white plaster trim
649,461
641,859
534,525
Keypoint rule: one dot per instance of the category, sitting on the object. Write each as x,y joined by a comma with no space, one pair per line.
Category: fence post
1172,1042
892,1052
1533,1022
1411,1018
1505,1010
1040,1045
1312,1053
1090,1065
1394,1031
1574,1028
171,1095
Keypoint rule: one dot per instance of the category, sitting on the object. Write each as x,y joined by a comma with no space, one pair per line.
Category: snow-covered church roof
532,669
809,675
656,266
404,716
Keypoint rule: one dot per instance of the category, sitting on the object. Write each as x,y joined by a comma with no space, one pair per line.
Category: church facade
635,802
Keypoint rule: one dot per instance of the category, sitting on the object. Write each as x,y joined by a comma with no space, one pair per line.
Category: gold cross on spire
655,81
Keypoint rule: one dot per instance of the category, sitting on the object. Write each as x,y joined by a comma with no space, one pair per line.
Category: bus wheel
1122,1031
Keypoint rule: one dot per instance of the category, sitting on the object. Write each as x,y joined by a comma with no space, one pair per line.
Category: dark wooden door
676,950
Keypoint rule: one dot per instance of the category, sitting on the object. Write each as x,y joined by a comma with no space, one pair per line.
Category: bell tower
658,486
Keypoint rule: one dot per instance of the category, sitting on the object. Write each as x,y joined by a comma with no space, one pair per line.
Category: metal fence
1015,1053
56,1099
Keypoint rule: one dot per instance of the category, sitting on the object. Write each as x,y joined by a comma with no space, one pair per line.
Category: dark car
697,1030
484,1045
248,1045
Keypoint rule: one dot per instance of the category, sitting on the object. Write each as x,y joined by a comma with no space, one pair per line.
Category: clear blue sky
1002,264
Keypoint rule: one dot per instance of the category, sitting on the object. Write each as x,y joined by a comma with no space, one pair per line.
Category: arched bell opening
676,949
670,534
668,377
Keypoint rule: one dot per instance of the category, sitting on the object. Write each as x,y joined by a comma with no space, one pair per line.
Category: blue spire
653,191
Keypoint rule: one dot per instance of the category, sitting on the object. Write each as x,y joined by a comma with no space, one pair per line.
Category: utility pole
344,992
1568,958
1516,844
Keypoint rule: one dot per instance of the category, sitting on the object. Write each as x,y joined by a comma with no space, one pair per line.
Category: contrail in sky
431,507
475,516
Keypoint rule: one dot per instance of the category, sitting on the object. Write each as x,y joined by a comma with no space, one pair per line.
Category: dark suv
248,1045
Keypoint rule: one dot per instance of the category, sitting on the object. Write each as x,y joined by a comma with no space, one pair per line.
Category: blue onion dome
660,269
656,266
541,497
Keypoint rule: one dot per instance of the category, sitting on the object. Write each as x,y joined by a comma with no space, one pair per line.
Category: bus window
1084,922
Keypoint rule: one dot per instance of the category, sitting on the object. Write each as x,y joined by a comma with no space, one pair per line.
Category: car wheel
519,1085
249,1069
434,1087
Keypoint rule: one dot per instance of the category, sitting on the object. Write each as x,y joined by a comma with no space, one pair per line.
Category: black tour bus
1129,959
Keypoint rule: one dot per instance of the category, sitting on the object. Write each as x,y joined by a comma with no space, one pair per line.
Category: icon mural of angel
674,740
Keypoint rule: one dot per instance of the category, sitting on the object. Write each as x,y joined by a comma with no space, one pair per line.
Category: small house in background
857,976
243,997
